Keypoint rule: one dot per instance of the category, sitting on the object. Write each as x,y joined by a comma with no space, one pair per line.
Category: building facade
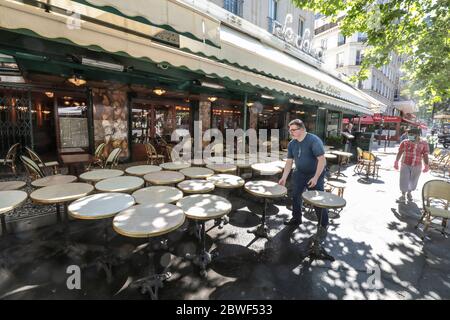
345,54
78,73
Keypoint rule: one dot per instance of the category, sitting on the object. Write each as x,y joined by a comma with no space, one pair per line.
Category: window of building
341,39
372,85
324,44
362,37
340,60
360,84
273,12
301,26
359,57
234,6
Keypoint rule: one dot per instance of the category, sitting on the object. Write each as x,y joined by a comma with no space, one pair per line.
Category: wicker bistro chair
99,160
152,156
113,158
435,155
435,200
439,160
35,157
359,161
33,169
10,158
369,161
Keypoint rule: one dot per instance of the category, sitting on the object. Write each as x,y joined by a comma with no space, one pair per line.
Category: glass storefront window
307,114
73,122
225,117
333,128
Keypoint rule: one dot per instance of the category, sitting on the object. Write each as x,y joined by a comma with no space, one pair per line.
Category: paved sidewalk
379,254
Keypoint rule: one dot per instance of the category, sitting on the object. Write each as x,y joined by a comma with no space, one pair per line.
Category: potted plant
335,141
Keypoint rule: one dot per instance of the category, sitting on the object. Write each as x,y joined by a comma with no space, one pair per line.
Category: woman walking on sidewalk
413,151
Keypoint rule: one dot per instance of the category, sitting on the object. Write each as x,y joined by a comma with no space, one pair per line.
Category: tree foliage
416,29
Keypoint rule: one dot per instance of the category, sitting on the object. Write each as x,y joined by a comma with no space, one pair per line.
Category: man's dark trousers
300,183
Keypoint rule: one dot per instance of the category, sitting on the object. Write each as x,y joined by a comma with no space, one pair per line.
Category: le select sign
379,118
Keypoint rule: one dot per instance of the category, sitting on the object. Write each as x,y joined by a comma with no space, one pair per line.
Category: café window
333,123
226,117
72,121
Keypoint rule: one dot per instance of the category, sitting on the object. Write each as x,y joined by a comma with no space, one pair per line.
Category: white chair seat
438,212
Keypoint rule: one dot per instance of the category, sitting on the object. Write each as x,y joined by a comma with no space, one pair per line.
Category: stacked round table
324,200
157,194
102,206
100,174
53,180
197,173
196,186
175,166
9,200
266,190
150,221
61,194
11,185
201,208
142,170
164,177
120,184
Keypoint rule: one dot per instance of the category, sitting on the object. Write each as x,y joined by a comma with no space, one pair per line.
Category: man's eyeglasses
292,130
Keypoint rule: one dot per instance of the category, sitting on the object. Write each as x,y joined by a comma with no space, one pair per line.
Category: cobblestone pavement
379,254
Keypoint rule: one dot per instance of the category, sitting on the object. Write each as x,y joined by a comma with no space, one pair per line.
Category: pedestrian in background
411,152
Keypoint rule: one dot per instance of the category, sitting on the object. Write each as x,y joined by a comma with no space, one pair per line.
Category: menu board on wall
73,132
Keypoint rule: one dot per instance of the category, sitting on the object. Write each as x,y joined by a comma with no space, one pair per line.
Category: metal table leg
154,281
316,251
262,231
3,219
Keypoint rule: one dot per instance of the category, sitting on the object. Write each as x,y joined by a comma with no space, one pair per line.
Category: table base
4,231
151,284
317,252
203,258
261,231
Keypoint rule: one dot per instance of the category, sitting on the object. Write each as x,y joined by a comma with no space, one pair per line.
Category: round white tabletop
11,199
61,193
222,167
342,153
266,168
212,160
120,184
100,205
164,177
197,173
265,189
226,181
141,171
11,185
157,194
204,206
53,180
196,186
178,165
148,220
330,156
323,199
100,174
